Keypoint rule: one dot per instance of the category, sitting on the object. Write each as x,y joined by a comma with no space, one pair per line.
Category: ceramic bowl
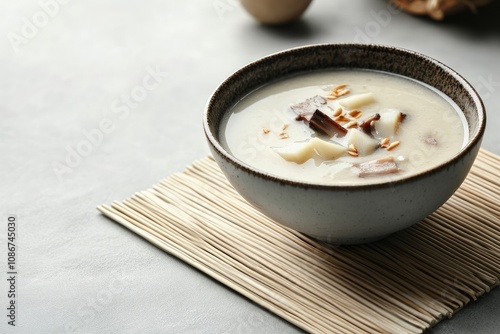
325,211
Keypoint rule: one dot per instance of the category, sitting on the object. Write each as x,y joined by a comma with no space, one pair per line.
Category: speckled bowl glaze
357,213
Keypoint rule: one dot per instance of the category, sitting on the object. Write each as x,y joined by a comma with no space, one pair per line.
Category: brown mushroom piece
306,109
366,126
322,123
381,166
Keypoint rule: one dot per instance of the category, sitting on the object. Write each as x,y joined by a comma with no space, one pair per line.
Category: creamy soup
344,127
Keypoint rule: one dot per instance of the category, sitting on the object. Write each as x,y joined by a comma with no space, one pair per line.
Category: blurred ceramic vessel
275,12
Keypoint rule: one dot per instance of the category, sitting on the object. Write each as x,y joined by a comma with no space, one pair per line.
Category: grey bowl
323,211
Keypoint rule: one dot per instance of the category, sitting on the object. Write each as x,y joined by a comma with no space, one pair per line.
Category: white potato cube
325,149
356,101
295,152
388,123
363,142
303,151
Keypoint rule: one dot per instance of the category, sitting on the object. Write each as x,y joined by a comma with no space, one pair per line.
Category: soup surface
344,127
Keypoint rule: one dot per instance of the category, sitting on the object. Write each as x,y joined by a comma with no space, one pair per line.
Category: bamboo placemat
405,283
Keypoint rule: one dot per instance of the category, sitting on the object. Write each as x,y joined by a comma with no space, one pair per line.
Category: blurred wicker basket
438,9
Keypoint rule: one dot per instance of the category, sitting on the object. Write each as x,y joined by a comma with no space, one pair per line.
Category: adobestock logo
373,28
222,7
94,305
120,108
486,86
30,27
252,145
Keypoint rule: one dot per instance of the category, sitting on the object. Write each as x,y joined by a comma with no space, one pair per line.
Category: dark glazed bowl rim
211,129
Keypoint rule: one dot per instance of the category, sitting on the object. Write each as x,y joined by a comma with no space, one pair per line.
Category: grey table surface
141,73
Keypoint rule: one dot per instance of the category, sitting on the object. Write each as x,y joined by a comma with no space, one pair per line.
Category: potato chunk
325,149
363,142
356,101
303,151
387,125
295,152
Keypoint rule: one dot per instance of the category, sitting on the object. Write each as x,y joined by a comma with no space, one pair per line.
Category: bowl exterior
343,215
